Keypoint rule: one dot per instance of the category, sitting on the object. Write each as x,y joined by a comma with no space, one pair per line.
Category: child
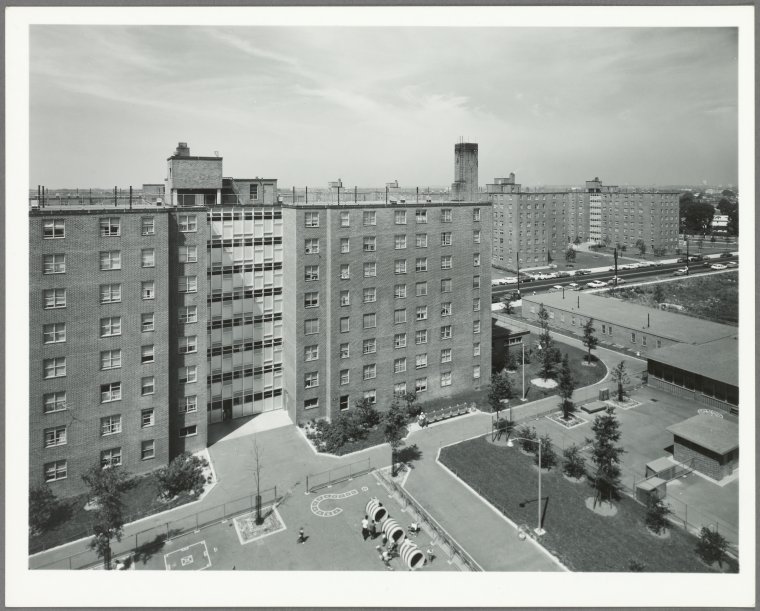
301,536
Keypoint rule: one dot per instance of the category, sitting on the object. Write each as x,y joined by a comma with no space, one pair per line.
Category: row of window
244,214
369,346
311,272
110,227
311,300
311,326
369,243
56,402
369,217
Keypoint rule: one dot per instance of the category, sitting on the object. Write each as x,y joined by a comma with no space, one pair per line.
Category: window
476,236
54,333
370,244
420,385
311,379
370,321
110,260
148,417
311,403
446,355
421,289
110,359
110,327
188,374
604,329
55,471
399,242
399,365
311,246
370,295
54,298
371,396
345,245
345,351
476,283
147,386
147,322
421,313
148,289
311,219
311,273
370,372
345,324
446,262
399,317
147,226
476,215
446,238
446,215
445,378
188,431
400,266
476,259
311,326
345,219
476,305
399,340
420,361
311,299
369,346
345,376
188,345
369,218
446,285
421,336
188,254
643,340
476,372
311,353
633,338
54,402
54,264
446,309
399,389
110,293
343,402
420,265
399,291
55,437
110,425
188,314
345,271
188,223
187,405
370,269
421,240
54,368
476,349
400,217
446,332
659,343
110,227
148,257
147,449
110,392
421,216
53,229
609,330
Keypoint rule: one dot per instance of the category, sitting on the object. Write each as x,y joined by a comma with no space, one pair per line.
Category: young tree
590,339
504,427
549,256
574,465
548,455
395,431
43,505
620,377
547,352
106,488
659,293
606,456
500,388
566,388
528,438
657,515
367,415
711,546
410,399
183,474
641,245
570,255
258,465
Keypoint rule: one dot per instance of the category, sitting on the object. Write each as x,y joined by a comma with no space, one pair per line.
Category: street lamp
523,370
538,530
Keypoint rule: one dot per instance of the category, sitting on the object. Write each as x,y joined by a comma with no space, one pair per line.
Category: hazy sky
108,104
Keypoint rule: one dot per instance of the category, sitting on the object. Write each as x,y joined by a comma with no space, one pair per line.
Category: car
555,288
583,272
496,282
596,284
695,257
732,264
513,296
717,266
725,255
564,274
510,280
574,286
526,278
495,298
617,280
645,264
550,276
552,266
681,272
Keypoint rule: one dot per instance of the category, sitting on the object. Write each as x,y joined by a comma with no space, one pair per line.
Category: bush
711,546
574,465
367,415
548,455
636,567
657,515
184,474
43,505
528,436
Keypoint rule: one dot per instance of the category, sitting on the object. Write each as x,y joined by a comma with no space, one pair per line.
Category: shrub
548,455
184,474
574,465
636,567
711,546
367,415
43,505
528,436
657,515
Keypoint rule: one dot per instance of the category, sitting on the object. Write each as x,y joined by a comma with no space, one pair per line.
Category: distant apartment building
465,185
719,223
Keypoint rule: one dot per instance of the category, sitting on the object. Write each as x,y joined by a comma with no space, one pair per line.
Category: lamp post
523,370
538,530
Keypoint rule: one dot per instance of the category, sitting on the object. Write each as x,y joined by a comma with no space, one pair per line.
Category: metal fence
448,412
325,479
415,511
146,542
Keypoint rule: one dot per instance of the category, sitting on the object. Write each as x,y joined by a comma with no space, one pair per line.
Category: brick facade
712,465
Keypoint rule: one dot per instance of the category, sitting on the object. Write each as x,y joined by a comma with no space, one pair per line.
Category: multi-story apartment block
381,300
465,185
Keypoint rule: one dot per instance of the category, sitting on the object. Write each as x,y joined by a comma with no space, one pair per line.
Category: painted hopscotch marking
194,557
248,531
332,512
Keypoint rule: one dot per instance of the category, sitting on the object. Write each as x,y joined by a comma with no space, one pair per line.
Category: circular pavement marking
332,512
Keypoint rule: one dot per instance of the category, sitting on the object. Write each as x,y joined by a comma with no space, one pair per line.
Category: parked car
645,264
526,278
496,282
725,255
564,274
596,284
695,257
510,280
552,266
574,286
732,264
617,280
583,272
550,276
717,266
555,288
495,298
681,272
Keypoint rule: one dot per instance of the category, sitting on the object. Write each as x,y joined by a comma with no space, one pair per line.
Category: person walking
301,536
386,557
365,528
430,554
372,529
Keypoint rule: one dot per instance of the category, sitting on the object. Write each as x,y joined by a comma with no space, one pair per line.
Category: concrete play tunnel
411,555
393,531
376,511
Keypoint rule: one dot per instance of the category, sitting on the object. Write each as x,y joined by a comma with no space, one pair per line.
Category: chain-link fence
325,479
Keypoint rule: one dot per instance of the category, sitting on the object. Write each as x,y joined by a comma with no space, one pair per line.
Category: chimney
182,150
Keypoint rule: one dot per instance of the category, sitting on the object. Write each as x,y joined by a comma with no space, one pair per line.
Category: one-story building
708,444
504,339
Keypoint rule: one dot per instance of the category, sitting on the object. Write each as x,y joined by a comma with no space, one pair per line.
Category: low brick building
709,444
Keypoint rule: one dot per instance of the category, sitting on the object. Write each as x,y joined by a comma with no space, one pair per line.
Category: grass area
75,523
712,297
581,539
583,376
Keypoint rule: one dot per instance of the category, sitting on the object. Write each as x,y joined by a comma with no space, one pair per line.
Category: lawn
712,297
139,501
583,376
581,539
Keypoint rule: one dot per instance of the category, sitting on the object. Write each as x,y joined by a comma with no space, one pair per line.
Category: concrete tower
465,185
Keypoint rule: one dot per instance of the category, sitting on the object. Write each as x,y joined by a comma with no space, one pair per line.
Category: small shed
709,443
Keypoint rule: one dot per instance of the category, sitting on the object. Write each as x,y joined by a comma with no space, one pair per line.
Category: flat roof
717,360
669,325
381,204
715,434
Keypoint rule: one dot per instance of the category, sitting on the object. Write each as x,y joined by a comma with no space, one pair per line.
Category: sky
307,105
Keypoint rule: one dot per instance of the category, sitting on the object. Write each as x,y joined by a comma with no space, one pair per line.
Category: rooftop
717,360
668,325
716,434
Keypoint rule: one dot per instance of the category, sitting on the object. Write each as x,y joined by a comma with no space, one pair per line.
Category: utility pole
518,275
